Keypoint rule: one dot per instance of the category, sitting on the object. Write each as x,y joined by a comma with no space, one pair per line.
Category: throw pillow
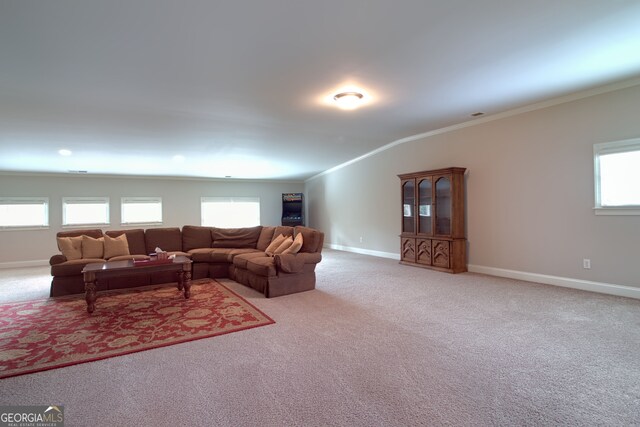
115,246
295,247
71,247
92,248
284,245
274,244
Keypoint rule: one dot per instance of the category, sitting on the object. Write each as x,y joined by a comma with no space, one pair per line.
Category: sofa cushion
235,237
240,260
220,255
313,239
135,239
264,266
195,236
266,236
200,254
285,230
233,253
115,246
71,247
217,255
92,248
167,239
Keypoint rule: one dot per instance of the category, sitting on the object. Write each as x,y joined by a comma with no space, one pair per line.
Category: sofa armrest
293,263
57,259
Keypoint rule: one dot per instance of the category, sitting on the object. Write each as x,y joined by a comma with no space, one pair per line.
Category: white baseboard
566,282
25,264
364,251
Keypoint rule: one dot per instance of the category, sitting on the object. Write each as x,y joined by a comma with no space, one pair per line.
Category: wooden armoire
433,234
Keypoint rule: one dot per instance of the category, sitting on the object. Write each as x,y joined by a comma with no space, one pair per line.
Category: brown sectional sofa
236,253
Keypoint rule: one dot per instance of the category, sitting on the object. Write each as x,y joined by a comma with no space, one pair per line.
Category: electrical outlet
586,263
360,239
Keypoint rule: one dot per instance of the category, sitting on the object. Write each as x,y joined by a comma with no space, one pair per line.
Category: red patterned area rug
57,332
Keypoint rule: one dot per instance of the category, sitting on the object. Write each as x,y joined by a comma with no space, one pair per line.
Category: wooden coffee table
96,271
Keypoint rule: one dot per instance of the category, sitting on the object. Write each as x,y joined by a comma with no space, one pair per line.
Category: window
85,211
617,174
24,212
228,212
141,210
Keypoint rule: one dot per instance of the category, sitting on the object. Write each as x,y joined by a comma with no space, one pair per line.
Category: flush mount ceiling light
64,152
348,100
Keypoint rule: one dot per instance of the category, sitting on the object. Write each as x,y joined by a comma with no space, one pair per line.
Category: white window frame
139,200
204,200
84,200
605,148
27,201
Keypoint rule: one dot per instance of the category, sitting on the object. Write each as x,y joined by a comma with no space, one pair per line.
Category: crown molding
148,177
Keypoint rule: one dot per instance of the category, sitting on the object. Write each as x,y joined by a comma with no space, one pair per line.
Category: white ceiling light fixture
64,152
348,100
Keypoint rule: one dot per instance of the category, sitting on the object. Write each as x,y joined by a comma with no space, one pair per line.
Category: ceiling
239,88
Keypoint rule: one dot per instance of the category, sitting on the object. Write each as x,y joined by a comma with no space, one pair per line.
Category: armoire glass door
408,207
424,206
443,206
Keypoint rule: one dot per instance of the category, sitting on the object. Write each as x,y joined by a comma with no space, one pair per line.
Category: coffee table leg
187,284
90,293
180,280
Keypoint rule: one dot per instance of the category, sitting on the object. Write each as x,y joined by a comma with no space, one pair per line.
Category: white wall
180,203
529,192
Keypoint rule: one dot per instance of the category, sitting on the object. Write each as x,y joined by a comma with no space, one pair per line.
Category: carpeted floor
377,343
23,284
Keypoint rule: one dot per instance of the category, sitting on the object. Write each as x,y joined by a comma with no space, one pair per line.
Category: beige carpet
377,344
23,284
